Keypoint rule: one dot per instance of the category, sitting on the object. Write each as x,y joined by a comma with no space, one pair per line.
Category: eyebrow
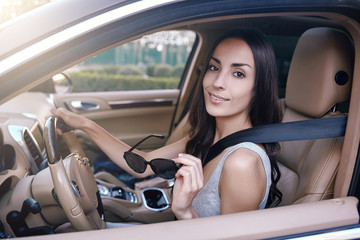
232,65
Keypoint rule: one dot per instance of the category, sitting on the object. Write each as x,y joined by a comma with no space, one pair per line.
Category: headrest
320,72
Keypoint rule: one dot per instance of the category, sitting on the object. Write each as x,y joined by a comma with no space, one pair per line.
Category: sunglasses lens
135,162
164,168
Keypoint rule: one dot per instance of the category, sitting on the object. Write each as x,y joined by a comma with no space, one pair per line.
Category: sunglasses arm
152,135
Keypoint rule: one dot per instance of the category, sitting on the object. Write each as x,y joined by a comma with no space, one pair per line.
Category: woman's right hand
189,181
71,119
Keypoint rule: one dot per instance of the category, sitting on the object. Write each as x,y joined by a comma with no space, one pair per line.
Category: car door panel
259,224
128,115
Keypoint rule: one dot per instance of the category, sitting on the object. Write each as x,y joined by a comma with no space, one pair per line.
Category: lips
217,98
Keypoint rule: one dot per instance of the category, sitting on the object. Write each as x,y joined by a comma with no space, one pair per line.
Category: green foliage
112,70
178,70
165,70
125,78
150,70
95,81
129,70
162,70
125,70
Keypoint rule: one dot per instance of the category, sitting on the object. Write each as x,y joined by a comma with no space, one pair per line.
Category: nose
220,81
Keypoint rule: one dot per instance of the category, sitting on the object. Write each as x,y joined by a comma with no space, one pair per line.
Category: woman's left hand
189,181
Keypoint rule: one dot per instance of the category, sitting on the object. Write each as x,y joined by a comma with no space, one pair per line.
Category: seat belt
281,132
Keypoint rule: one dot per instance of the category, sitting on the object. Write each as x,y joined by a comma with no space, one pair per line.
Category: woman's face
229,79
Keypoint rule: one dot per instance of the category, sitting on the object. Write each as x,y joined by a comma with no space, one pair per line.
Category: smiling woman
238,91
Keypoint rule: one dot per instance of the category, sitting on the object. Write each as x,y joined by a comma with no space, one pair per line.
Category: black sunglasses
164,168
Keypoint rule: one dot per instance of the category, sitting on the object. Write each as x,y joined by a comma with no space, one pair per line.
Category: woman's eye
239,74
213,68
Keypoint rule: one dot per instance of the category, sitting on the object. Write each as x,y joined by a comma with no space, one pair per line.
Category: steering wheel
74,183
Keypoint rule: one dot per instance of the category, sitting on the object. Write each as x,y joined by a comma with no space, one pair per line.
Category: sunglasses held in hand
164,168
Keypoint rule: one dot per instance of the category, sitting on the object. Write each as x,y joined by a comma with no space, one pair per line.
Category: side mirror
62,83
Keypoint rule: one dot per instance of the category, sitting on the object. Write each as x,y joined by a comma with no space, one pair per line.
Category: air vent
33,147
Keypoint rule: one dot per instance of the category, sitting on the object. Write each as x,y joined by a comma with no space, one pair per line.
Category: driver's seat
319,79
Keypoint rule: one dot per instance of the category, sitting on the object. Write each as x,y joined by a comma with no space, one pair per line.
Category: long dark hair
264,106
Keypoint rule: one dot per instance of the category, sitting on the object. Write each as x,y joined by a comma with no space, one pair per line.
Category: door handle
84,105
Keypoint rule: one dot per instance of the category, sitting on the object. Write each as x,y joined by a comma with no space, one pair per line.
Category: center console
117,192
149,202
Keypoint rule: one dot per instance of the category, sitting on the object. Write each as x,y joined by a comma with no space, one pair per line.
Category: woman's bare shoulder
243,165
242,182
243,159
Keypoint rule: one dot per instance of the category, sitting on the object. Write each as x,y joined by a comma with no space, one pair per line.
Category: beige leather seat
319,78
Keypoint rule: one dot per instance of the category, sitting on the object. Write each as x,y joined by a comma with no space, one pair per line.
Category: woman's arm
243,182
113,147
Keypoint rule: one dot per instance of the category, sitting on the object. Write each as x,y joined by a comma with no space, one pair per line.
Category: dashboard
22,150
25,178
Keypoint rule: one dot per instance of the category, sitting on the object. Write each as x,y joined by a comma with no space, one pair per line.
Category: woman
237,90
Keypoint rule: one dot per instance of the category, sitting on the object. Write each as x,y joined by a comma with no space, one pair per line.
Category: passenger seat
319,78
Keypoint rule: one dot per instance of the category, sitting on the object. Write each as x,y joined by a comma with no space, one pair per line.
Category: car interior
314,180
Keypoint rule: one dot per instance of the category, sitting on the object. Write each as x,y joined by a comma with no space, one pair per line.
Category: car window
155,61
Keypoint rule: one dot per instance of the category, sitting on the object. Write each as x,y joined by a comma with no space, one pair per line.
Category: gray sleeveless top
207,201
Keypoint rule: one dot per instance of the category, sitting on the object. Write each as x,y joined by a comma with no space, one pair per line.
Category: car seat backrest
319,78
